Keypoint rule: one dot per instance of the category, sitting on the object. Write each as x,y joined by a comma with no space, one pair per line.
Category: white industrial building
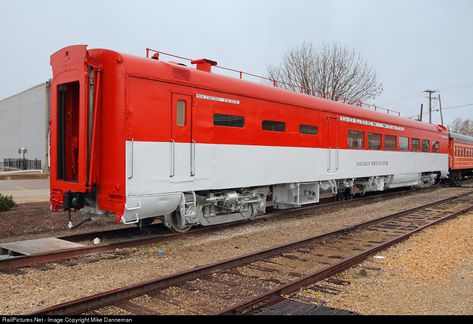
24,125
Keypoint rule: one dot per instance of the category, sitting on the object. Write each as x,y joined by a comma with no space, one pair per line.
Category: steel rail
115,296
330,270
11,264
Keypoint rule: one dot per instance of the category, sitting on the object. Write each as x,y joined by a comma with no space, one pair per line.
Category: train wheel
175,222
248,211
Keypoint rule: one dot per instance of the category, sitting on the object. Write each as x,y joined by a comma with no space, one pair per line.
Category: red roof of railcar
160,70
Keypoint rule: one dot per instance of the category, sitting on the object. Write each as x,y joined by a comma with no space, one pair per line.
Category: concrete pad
25,191
38,246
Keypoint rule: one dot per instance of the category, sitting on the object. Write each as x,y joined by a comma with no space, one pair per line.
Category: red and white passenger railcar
141,138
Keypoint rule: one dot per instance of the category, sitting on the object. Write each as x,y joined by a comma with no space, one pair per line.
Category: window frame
423,141
362,139
308,126
399,144
412,144
380,141
181,113
228,125
385,141
275,124
436,150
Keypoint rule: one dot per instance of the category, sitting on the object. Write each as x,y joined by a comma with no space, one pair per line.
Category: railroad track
243,284
133,237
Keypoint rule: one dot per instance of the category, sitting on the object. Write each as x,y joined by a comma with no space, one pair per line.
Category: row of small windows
356,141
461,151
239,121
355,138
268,125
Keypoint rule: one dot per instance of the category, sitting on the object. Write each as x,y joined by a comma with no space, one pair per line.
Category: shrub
6,202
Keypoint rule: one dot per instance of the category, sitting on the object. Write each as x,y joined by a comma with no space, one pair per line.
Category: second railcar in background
461,156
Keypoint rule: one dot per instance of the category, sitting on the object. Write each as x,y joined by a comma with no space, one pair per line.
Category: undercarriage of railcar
207,208
185,210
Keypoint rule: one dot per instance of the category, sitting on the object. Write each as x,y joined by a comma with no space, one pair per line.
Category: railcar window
355,139
275,126
403,144
374,141
308,129
181,113
425,145
389,143
229,120
435,146
415,145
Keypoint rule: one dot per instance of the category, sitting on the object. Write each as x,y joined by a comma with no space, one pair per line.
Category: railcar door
182,146
333,163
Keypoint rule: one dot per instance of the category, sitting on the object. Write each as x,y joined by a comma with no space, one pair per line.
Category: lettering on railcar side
370,123
371,163
226,100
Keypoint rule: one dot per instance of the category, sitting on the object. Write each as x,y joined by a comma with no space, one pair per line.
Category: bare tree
461,126
330,72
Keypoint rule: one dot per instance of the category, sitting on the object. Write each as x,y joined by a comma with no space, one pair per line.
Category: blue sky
413,45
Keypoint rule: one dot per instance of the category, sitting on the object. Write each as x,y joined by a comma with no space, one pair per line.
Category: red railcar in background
461,155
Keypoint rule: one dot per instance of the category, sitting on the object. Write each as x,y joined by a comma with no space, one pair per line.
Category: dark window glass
308,129
355,139
374,141
275,126
403,144
425,145
435,147
229,120
390,143
415,145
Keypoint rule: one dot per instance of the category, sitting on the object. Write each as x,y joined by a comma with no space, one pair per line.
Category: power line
435,110
462,106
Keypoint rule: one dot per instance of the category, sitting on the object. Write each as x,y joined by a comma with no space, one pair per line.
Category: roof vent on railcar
204,64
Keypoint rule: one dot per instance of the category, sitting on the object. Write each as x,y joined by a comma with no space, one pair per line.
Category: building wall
24,124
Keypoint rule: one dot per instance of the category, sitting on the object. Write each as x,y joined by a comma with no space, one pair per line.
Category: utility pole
421,111
441,113
430,92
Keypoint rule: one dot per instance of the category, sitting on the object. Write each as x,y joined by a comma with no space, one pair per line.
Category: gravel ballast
429,274
30,289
